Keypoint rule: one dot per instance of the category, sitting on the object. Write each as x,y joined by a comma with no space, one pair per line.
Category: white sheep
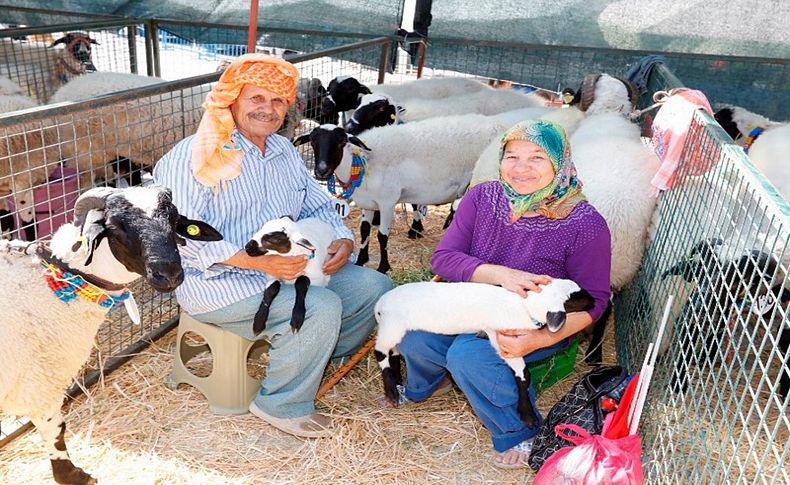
462,308
117,236
488,101
433,88
13,97
426,162
284,236
768,148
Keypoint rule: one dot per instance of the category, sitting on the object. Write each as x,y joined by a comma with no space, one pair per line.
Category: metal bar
149,48
252,34
155,47
421,57
385,55
267,29
339,50
93,25
16,433
59,12
131,34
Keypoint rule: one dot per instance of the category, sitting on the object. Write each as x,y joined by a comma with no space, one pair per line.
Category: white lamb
488,101
426,162
13,97
460,308
117,236
286,237
433,88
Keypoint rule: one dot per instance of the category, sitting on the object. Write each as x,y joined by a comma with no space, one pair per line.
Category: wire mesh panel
42,59
719,397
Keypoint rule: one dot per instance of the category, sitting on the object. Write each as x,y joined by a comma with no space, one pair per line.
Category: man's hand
338,253
521,281
281,267
518,343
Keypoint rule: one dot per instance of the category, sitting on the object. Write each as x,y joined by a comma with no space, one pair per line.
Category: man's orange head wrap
215,157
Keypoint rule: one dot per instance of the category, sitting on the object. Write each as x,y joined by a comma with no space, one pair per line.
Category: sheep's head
374,110
550,306
346,92
602,93
279,236
78,47
142,228
328,142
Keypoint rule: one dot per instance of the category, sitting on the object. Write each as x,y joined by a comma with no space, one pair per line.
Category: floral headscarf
556,200
215,156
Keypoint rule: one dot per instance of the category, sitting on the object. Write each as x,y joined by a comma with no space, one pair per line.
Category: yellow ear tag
392,117
193,230
567,98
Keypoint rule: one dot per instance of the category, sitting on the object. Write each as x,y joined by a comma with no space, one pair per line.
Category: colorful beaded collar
68,287
358,168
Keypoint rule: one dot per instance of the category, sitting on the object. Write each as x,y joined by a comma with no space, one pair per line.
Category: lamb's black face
79,46
346,92
377,113
724,118
274,241
147,244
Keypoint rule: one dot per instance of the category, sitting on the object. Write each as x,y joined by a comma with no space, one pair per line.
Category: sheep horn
588,90
93,199
633,91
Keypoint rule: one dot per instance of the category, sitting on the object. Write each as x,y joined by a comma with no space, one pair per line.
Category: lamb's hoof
64,471
362,259
414,234
297,320
383,267
529,420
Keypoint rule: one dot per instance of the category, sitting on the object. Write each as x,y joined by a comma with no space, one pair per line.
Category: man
236,174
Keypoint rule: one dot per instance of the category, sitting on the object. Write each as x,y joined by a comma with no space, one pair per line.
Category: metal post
252,34
155,47
131,34
383,60
421,57
149,48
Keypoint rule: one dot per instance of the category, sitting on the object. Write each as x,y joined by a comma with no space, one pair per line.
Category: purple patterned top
577,247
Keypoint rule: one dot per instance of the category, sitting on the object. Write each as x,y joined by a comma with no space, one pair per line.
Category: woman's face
526,167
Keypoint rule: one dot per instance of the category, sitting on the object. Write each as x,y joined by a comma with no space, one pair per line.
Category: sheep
724,285
434,88
489,101
116,237
459,308
56,66
766,142
345,93
13,97
311,237
310,94
374,110
427,162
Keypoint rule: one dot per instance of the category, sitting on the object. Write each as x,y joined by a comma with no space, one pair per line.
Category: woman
531,225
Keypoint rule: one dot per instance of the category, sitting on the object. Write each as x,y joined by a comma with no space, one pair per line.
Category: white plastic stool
228,389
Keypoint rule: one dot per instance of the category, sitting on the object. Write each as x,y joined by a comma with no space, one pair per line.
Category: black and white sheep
310,237
402,165
344,94
766,142
116,237
461,308
726,284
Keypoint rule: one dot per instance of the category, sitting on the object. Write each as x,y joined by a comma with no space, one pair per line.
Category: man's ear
196,230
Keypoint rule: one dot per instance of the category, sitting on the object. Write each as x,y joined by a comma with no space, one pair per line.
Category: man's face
258,112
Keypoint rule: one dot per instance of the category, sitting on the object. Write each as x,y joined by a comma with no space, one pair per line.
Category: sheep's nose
555,320
165,276
321,172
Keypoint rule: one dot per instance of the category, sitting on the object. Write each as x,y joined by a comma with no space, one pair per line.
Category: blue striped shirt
269,186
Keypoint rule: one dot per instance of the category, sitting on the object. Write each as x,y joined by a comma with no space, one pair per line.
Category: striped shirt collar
251,149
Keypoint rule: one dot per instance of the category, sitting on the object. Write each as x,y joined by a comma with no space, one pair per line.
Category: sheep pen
130,425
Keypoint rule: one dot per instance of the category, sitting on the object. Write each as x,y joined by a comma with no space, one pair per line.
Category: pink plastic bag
594,460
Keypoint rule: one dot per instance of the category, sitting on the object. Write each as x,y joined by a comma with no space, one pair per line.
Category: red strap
583,434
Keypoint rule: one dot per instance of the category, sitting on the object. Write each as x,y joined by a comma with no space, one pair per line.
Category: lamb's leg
52,430
388,358
784,370
523,379
594,354
449,219
364,234
387,212
262,315
416,229
302,283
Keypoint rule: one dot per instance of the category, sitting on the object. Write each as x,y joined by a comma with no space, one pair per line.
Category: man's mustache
265,116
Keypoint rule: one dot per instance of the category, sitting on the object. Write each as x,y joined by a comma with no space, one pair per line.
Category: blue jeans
479,371
338,320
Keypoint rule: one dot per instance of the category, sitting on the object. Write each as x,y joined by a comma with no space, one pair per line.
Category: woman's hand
338,252
518,343
521,281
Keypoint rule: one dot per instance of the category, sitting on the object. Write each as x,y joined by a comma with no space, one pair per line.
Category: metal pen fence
718,405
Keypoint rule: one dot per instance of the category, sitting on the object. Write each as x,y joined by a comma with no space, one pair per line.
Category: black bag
582,407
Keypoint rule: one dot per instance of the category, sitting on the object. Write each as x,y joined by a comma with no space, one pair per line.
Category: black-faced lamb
766,142
427,162
345,93
461,308
310,237
116,237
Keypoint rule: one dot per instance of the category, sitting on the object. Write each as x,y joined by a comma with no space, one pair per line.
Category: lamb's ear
579,301
365,90
686,269
93,41
301,140
356,141
196,230
92,232
63,40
